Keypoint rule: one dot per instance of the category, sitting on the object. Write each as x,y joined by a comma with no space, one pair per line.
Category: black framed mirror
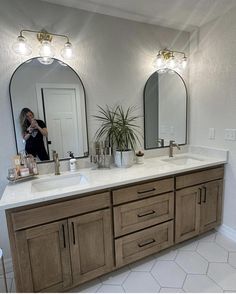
165,110
53,97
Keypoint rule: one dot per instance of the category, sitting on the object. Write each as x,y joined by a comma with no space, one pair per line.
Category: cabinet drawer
143,213
199,177
48,213
142,190
143,243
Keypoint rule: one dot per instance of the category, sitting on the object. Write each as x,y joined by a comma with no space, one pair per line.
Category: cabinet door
91,245
44,258
211,205
187,221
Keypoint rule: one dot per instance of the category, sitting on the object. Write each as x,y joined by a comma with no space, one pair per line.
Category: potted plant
118,127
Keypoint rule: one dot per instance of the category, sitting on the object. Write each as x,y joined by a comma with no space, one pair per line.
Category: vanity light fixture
169,60
46,50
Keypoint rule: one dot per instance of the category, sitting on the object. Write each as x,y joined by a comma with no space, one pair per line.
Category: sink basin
58,182
183,160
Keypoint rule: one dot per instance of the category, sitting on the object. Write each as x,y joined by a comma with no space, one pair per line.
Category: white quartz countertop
20,194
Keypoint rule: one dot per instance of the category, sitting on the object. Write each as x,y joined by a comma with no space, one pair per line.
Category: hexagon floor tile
167,255
111,289
191,262
232,259
224,275
143,265
200,283
89,287
171,290
168,274
212,252
116,277
141,283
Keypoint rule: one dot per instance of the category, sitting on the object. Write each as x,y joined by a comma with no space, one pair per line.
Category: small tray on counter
21,179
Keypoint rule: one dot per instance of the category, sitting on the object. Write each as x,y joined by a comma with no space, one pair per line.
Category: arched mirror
165,110
53,94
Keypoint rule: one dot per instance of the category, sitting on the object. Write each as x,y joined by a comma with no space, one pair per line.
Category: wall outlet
230,134
211,134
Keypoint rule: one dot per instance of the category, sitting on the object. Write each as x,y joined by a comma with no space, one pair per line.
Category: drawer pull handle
73,232
63,234
200,196
147,242
205,194
146,213
147,191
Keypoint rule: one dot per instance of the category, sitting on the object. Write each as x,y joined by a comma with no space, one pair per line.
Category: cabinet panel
139,191
211,205
143,243
143,213
187,218
91,245
196,178
44,258
52,212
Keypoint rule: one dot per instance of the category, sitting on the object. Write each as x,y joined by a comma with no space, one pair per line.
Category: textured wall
114,61
213,100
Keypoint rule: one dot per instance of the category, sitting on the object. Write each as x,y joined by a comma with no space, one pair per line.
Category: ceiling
181,14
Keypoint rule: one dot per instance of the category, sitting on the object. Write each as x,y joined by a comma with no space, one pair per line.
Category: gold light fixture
170,60
46,50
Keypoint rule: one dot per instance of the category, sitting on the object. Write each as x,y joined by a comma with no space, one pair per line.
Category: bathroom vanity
61,238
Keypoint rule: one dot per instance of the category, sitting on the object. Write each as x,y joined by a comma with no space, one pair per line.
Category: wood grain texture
44,257
196,178
139,191
138,245
91,242
45,214
187,213
144,213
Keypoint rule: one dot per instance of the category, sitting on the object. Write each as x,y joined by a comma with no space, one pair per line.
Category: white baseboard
8,266
227,231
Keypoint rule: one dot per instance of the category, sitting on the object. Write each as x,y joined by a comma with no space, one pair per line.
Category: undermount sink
58,182
183,160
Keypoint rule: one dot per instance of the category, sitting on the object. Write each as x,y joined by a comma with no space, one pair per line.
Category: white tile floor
204,264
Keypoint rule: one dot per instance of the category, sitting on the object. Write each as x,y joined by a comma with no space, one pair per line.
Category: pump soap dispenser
72,161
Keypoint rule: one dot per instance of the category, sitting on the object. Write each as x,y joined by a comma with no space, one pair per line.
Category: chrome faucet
56,161
172,145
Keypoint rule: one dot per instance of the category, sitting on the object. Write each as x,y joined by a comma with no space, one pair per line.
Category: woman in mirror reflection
33,132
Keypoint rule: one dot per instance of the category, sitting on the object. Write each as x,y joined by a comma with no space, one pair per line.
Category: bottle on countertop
72,161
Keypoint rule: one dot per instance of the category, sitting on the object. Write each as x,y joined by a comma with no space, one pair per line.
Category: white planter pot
124,158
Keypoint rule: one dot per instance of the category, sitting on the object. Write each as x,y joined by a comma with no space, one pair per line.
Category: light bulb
21,47
158,62
46,49
46,60
67,52
171,63
184,62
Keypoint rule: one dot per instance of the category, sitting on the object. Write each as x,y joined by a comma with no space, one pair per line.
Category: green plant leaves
118,127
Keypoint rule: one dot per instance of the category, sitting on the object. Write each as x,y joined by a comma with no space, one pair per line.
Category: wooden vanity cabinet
59,245
143,219
58,255
198,208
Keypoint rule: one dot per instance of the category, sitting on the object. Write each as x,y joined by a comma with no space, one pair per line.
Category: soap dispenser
72,161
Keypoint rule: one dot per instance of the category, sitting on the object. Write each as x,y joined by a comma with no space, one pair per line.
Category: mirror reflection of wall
165,110
56,96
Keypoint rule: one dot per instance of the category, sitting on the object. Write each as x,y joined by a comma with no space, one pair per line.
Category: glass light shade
158,61
46,49
67,52
46,60
21,46
171,63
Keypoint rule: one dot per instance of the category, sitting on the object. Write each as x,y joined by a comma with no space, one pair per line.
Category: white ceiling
180,14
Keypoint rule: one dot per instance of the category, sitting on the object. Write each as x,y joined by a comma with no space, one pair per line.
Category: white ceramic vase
124,158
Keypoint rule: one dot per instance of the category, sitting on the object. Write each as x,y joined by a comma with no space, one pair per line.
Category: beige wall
114,61
213,97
